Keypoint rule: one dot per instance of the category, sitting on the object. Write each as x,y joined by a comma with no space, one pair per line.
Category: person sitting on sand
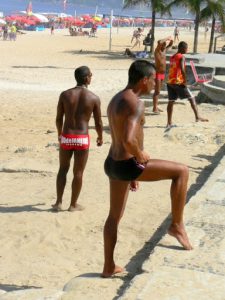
177,84
75,106
127,162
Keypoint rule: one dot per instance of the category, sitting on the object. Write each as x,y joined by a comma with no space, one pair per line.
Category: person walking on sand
160,65
52,29
177,84
76,106
138,38
176,34
128,163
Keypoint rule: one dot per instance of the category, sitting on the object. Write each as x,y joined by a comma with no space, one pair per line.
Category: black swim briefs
176,91
126,170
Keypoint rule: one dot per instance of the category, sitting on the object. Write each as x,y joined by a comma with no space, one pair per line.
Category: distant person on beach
134,35
75,107
93,30
176,34
138,38
147,41
5,32
52,29
160,65
127,162
206,31
12,33
177,84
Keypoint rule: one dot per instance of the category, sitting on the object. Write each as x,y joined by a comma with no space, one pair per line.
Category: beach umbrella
78,23
2,22
41,18
68,19
86,17
147,21
98,19
29,22
106,20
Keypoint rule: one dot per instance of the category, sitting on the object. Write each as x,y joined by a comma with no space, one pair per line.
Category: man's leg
118,197
160,170
135,44
80,160
64,165
158,84
169,112
195,110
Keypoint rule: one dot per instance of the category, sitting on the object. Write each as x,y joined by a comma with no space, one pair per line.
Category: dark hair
182,45
140,69
81,73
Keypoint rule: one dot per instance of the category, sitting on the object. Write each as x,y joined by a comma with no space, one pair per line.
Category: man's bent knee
184,170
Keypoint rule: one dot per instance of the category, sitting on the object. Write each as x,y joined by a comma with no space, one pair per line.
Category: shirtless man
177,84
160,65
127,162
176,34
75,106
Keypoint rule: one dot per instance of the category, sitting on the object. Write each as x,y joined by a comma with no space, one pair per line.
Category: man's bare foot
57,207
134,185
202,120
180,234
116,270
77,207
157,111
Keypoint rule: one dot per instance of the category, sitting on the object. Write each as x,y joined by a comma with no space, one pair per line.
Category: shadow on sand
13,287
23,208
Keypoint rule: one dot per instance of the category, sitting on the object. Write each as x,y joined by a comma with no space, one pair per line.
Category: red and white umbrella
2,22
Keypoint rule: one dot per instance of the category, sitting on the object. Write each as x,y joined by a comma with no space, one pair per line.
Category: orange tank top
175,74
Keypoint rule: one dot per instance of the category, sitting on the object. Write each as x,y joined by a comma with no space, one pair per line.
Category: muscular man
177,84
127,162
76,106
160,65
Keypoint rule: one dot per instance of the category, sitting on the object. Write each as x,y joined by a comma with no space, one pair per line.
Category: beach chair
200,78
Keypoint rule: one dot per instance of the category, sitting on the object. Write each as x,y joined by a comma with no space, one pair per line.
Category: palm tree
214,9
158,6
194,6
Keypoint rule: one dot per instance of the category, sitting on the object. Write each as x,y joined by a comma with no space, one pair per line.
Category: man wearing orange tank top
177,84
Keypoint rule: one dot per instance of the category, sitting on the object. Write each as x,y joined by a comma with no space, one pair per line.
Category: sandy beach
42,249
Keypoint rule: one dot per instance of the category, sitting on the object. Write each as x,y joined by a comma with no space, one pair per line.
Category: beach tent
41,18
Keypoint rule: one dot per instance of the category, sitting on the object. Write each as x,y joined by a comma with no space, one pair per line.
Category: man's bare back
78,104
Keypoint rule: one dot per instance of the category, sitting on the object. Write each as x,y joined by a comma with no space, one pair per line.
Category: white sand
44,249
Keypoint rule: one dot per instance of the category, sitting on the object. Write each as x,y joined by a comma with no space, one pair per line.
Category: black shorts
178,91
126,170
